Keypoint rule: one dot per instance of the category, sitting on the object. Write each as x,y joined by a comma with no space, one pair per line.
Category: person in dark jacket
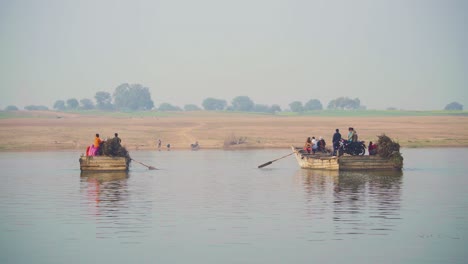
116,137
336,141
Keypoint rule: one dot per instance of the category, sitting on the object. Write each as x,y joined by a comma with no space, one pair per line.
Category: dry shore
58,131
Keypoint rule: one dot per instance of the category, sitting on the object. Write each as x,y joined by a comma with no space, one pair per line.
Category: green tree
454,106
36,108
275,108
168,107
261,108
86,104
313,104
133,97
242,103
191,107
103,101
344,103
72,103
296,106
11,108
59,105
212,104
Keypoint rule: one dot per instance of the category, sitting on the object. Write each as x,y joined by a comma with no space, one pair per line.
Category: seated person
308,145
372,148
321,145
94,148
314,145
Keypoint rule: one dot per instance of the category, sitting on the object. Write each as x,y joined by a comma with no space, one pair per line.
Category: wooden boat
103,163
104,176
324,161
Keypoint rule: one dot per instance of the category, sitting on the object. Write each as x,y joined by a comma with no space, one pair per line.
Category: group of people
168,146
93,150
312,145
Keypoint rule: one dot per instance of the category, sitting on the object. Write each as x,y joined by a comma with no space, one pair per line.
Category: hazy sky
410,54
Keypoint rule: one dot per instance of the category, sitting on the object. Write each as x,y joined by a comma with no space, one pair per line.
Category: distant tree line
136,97
239,103
126,97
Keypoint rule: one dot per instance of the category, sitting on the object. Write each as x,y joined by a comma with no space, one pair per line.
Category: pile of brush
112,148
387,148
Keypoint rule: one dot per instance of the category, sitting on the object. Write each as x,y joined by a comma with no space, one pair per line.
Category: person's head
97,135
115,134
370,143
350,128
337,130
313,137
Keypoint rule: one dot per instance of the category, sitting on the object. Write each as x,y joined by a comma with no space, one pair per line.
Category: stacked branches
112,148
387,148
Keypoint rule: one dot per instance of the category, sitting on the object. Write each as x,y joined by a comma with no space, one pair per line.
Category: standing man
116,137
336,141
159,144
350,134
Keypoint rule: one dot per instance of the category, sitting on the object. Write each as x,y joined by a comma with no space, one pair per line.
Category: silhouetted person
116,137
336,141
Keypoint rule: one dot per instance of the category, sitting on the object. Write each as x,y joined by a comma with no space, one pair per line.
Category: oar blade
265,164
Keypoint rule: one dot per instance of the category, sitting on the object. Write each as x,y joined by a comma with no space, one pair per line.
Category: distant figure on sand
168,147
159,144
194,146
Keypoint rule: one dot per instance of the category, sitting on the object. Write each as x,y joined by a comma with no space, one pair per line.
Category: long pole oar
270,162
149,167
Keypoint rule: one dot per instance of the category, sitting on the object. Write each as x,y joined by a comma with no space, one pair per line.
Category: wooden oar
270,162
149,167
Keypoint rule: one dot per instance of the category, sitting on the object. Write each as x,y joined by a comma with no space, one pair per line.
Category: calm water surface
212,206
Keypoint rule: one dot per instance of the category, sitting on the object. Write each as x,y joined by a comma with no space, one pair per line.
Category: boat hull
343,163
103,163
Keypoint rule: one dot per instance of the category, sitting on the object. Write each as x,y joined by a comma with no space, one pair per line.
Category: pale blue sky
409,54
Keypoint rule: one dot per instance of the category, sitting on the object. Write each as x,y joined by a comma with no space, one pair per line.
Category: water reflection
109,203
105,186
358,203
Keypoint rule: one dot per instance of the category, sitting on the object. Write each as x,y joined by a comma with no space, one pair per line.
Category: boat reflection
359,202
104,176
104,186
109,203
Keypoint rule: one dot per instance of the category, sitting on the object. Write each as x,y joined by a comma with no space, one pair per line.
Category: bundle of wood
112,147
387,148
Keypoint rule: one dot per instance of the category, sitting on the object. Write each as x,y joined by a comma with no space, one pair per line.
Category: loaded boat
110,157
323,161
104,163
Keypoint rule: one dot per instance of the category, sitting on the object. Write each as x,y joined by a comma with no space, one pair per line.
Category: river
213,206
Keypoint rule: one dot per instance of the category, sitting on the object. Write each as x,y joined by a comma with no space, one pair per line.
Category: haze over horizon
404,54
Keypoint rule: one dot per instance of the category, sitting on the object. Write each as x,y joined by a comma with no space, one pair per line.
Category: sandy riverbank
59,131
